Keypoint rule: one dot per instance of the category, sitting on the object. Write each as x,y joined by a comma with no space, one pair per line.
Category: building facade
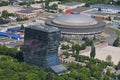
41,46
101,16
116,21
106,8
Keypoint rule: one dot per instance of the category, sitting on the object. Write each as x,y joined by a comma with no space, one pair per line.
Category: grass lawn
117,31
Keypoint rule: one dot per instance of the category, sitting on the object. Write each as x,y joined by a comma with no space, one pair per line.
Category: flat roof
29,10
6,40
72,3
106,6
10,8
32,8
116,18
44,28
103,14
14,44
3,37
81,9
58,69
106,14
25,11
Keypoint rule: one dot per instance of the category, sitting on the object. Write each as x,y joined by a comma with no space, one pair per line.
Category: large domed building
76,24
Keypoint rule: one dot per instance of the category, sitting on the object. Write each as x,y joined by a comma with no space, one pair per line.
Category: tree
28,4
47,4
88,41
93,51
99,9
119,77
83,46
54,7
5,14
64,46
118,2
87,4
109,58
73,48
118,65
77,48
42,4
66,53
50,76
22,27
4,3
94,38
116,42
109,18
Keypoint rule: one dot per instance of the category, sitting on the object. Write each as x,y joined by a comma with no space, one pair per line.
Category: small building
11,43
29,12
106,8
102,16
70,5
116,21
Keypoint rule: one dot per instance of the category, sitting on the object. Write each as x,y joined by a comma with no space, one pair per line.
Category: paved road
109,30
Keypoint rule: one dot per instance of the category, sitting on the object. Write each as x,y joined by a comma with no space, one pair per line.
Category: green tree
54,7
5,14
47,4
118,2
119,77
118,65
66,53
116,42
28,4
93,51
95,71
22,27
83,46
88,41
109,58
4,3
50,76
77,48
87,4
94,38
99,9
63,46
73,48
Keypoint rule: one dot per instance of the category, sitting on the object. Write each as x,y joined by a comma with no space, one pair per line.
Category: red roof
68,11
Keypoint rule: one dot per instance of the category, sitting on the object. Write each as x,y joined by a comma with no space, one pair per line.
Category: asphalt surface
110,31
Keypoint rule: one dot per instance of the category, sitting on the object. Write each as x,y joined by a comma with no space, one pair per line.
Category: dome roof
75,20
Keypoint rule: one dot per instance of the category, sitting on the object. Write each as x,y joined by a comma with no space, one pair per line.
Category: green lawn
117,31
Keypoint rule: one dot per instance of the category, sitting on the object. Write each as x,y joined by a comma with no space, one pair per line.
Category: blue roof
13,36
15,30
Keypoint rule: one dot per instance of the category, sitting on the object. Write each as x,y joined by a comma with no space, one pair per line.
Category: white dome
75,20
